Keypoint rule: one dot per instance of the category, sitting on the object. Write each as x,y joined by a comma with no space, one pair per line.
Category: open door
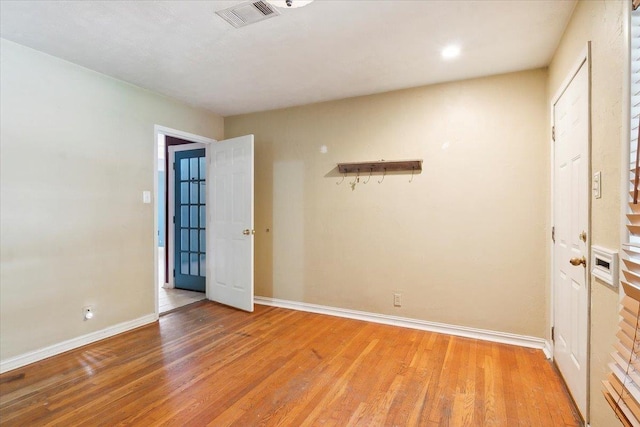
185,243
230,222
189,220
571,192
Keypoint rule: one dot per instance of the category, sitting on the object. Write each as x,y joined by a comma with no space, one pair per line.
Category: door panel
190,223
230,228
571,208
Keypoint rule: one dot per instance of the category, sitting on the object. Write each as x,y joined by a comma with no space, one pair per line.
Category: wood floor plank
208,364
431,366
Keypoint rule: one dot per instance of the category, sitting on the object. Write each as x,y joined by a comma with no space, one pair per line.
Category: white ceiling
327,50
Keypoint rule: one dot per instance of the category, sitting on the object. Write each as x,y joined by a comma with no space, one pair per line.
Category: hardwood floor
208,364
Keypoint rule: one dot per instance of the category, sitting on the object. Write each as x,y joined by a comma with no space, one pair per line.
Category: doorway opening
224,227
169,297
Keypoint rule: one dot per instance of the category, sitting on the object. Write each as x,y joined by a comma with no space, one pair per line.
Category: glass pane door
190,220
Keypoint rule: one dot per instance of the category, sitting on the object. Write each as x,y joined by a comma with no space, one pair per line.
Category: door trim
159,130
626,129
584,58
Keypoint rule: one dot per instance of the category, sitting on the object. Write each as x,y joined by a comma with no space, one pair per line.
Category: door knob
246,232
578,261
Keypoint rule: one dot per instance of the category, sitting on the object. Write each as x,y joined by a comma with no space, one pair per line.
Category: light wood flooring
207,364
169,298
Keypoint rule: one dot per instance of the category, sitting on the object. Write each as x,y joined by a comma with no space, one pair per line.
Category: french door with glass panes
190,220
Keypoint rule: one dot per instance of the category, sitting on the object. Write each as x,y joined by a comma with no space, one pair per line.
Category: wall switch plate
146,197
597,185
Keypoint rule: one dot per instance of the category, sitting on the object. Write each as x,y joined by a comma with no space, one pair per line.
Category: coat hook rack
381,166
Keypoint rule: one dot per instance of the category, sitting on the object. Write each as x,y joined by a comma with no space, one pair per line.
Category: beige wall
77,151
464,242
602,23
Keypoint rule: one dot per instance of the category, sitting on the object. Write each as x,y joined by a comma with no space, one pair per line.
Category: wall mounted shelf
381,166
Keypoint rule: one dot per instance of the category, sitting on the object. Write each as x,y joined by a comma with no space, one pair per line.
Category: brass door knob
246,232
578,261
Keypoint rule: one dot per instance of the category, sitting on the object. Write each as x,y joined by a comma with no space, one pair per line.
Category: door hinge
553,133
553,234
174,272
174,219
553,333
174,165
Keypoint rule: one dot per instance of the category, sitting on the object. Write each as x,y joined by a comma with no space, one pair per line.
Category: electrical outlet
397,300
87,312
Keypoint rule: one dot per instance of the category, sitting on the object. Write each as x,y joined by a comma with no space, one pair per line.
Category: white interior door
230,227
571,221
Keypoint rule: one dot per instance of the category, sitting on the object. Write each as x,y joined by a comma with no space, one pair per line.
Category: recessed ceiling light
451,52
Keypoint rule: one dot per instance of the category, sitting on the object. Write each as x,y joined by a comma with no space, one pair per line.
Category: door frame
625,154
584,58
163,131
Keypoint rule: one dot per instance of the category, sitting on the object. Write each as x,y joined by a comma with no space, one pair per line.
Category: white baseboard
548,351
52,350
405,322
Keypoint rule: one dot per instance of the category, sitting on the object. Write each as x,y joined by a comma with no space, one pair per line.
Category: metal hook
368,179
384,173
342,180
356,179
412,170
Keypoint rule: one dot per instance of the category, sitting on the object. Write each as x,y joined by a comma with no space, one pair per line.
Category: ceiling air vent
247,13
